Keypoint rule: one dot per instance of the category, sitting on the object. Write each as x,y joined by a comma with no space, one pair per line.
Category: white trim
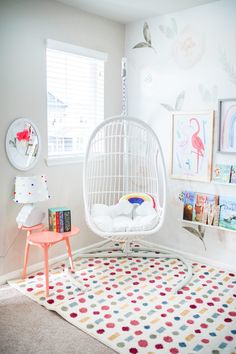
67,47
33,268
64,160
194,257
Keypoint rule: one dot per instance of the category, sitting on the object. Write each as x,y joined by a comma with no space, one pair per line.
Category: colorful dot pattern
130,306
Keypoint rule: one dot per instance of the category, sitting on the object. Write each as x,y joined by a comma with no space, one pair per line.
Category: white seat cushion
145,218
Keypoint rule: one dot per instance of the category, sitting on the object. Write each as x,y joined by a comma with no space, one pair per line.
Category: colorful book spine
67,220
52,221
57,221
228,213
189,203
233,174
61,221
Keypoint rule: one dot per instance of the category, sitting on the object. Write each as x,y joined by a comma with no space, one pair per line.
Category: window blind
75,97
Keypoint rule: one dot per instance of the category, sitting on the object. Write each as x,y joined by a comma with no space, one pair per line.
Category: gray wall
24,26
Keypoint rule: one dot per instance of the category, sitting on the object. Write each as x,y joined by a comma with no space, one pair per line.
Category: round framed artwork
23,144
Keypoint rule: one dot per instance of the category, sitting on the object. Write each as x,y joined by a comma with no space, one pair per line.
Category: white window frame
87,52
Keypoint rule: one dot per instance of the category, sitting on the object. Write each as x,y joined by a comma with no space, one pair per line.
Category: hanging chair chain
124,88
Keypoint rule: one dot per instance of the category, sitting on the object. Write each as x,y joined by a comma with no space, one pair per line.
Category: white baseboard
193,257
32,268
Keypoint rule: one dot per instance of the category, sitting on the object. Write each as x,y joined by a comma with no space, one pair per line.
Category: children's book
211,210
221,173
233,174
189,203
59,219
201,199
228,213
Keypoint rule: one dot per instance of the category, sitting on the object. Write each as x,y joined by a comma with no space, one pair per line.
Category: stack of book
59,219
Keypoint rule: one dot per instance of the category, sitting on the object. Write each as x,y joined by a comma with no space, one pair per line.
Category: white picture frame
23,144
192,145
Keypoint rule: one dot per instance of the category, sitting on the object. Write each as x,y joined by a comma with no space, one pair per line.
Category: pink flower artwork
23,135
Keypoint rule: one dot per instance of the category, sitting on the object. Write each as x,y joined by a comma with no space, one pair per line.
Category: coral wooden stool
29,231
44,240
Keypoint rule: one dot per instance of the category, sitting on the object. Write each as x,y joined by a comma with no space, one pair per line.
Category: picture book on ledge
233,174
228,213
221,173
207,209
201,207
189,205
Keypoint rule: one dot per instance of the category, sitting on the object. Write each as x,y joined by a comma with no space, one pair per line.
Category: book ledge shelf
223,183
206,225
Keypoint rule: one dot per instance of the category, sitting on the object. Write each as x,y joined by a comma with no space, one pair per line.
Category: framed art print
23,144
227,131
192,142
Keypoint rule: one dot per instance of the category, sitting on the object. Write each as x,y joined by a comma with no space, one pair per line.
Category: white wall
24,26
204,68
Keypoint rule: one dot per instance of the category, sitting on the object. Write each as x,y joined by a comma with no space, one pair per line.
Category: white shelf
224,183
205,225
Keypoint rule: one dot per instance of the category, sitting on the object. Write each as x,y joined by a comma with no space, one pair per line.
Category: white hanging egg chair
124,163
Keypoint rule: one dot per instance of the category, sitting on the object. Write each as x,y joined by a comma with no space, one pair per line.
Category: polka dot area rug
129,304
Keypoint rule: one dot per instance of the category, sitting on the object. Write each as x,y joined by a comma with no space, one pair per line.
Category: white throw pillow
99,210
145,209
124,207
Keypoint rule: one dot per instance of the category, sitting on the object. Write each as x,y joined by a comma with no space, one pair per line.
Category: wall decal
147,37
199,232
208,95
178,103
169,31
228,67
188,48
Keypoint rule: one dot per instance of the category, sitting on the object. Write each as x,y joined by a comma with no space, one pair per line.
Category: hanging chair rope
124,87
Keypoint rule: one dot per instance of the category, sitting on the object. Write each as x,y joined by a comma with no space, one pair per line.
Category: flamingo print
197,142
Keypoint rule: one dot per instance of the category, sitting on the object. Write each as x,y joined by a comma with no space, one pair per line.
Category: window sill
64,160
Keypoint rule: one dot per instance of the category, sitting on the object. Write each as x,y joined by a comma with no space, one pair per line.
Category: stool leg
69,253
27,246
46,269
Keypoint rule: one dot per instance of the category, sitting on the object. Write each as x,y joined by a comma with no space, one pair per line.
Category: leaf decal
192,230
205,93
199,232
169,31
141,45
228,67
208,95
146,33
161,27
147,38
174,25
179,101
168,107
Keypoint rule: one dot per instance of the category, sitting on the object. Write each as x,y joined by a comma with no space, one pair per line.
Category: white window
75,98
